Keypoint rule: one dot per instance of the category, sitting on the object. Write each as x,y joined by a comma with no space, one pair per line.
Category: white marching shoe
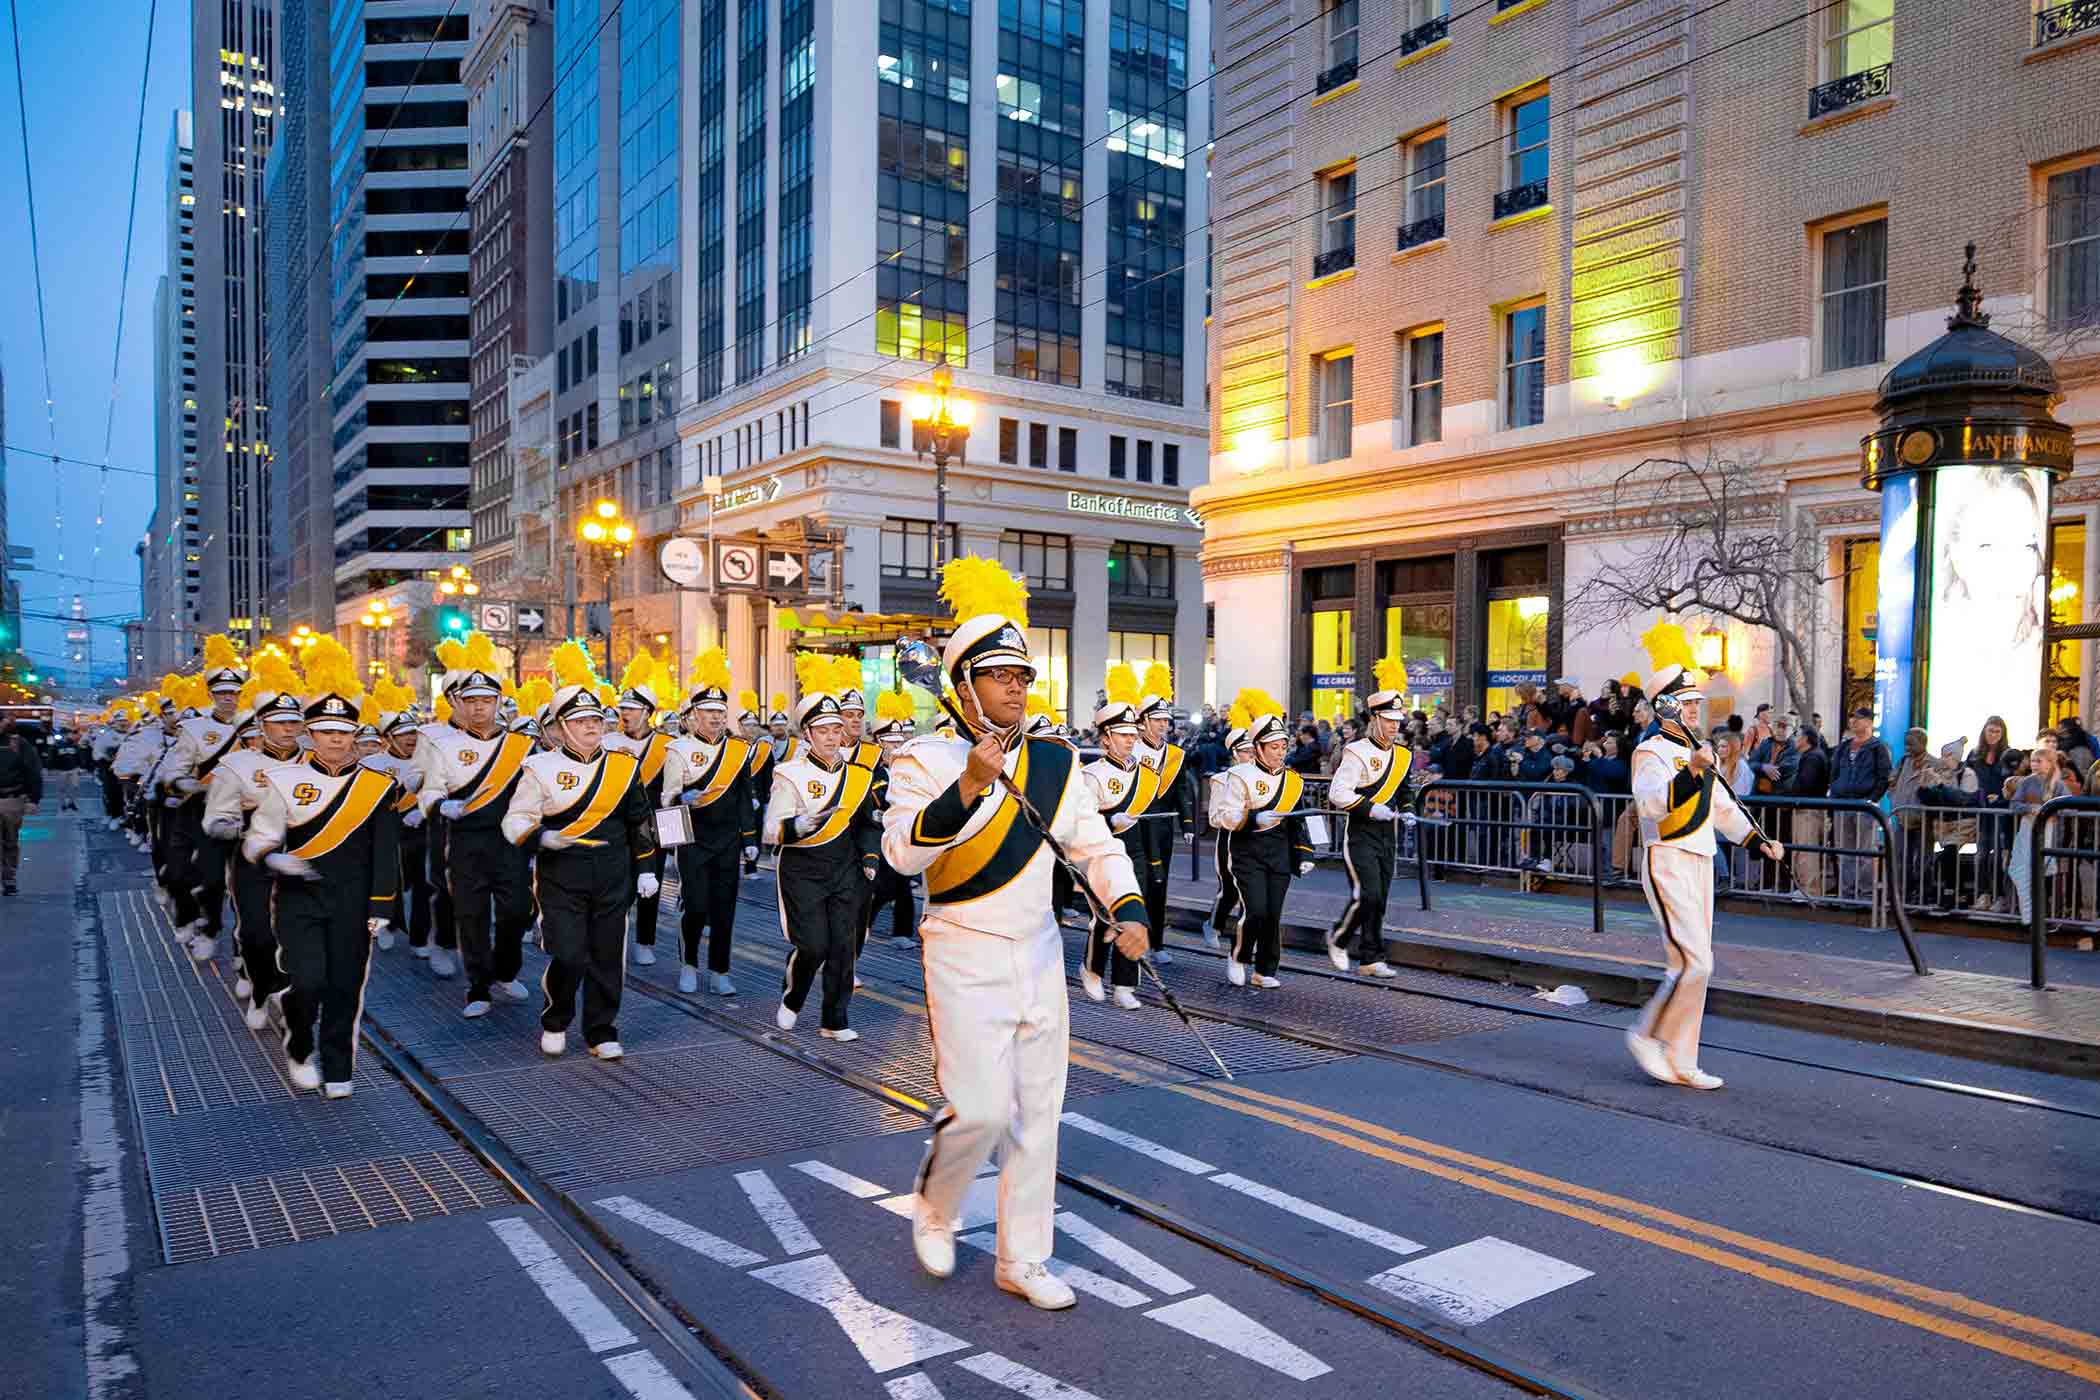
203,948
1210,938
1127,999
720,985
1235,972
337,1089
1091,980
1262,980
257,1015
784,1018
383,937
847,1034
645,956
553,1042
442,963
933,1240
608,1050
688,978
513,990
1163,957
1378,969
856,981
1697,1078
422,951
1036,1283
475,1009
1647,1052
304,1074
242,988
1336,953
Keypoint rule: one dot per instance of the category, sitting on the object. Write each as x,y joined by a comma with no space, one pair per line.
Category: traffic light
7,632
451,621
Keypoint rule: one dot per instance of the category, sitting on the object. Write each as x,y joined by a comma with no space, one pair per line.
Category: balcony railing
1424,34
1848,91
2063,21
1337,76
1421,231
1518,198
1334,260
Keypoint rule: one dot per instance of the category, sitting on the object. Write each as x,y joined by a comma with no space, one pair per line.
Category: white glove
552,840
224,830
171,802
289,866
374,925
646,886
412,818
750,853
867,872
690,797
1121,821
1267,820
1305,867
808,822
452,809
1382,813
186,786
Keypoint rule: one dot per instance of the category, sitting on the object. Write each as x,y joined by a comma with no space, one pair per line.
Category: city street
1405,1189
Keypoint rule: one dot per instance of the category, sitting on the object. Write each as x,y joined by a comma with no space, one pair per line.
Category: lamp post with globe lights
604,530
941,420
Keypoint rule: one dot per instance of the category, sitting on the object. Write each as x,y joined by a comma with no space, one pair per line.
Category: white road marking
1144,1146
1108,1290
678,1232
901,1206
916,1386
105,1257
846,1181
1222,1325
1130,1260
571,1296
1319,1214
886,1339
1474,1281
980,1203
645,1377
780,1217
1018,1378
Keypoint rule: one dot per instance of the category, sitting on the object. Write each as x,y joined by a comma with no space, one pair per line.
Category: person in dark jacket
1993,761
1307,756
1860,769
21,789
1811,779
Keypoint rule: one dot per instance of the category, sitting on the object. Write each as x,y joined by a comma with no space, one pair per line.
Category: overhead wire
36,264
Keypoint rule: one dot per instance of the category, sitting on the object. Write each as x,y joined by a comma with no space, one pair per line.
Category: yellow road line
1499,1178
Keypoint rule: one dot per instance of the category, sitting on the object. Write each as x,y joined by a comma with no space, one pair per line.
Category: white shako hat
1154,705
465,685
707,697
1670,688
817,707
368,731
983,642
1039,724
525,724
1386,704
278,704
1116,717
395,722
574,702
899,728
637,697
851,699
223,679
1266,728
777,717
1235,741
330,711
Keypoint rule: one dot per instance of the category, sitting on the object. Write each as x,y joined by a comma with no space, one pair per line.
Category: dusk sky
81,64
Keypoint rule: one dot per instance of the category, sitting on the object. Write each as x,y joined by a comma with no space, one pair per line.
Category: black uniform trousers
1261,867
411,912
112,791
1101,955
171,860
1226,906
254,931
324,948
1369,857
645,910
207,865
820,894
1151,871
491,904
892,891
707,886
437,872
583,894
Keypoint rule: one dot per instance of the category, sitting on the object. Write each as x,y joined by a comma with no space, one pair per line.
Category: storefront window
1140,649
1420,635
1333,663
2066,655
1516,648
1862,594
1052,649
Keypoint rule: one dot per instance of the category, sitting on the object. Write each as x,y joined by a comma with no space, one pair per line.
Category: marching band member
390,714
636,709
1680,800
468,781
325,830
709,771
102,751
1370,784
195,861
368,742
761,782
891,730
175,895
444,727
238,787
822,816
1123,790
1225,909
584,813
994,960
134,758
1177,794
1255,804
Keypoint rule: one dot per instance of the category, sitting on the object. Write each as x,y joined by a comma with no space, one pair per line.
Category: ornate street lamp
941,421
605,531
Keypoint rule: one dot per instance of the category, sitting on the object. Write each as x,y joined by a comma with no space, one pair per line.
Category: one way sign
785,569
532,621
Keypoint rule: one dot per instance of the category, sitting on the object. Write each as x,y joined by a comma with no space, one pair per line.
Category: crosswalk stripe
1319,1214
1209,1319
773,1208
1130,1260
916,1386
678,1232
571,1296
845,1181
646,1378
1019,1379
1472,1282
1145,1146
1085,1280
886,1339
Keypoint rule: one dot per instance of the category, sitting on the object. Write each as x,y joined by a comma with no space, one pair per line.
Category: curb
1615,984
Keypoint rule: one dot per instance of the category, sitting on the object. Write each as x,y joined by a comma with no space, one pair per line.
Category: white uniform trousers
1680,889
1001,1025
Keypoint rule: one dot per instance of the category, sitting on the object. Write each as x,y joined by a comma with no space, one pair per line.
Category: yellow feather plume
1040,705
442,711
711,667
895,704
1391,673
391,696
606,693
1159,680
1667,645
510,692
278,674
812,672
330,669
218,652
1256,703
481,651
1122,684
846,674
451,654
571,664
641,673
747,700
534,694
973,585
1237,717
780,700
370,712
787,620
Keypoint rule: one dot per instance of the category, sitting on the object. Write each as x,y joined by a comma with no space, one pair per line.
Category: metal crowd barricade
1955,861
2068,872
1329,849
1548,829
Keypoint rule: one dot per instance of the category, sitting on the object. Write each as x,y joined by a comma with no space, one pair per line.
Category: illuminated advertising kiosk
1965,459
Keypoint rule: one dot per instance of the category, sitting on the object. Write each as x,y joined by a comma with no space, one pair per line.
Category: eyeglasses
1007,675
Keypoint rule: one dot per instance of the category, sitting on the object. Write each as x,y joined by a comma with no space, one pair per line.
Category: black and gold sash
1691,804
846,802
652,756
1145,786
867,753
729,759
1388,788
210,763
1171,758
600,798
1290,788
496,776
333,824
1002,848
761,756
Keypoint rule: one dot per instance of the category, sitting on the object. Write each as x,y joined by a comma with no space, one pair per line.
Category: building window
1010,441
907,548
1068,449
1855,293
892,423
1425,191
1518,608
1338,223
1857,37
1336,376
1038,444
2074,247
2064,651
1117,467
1144,459
1051,649
1140,570
1422,363
1330,607
1170,464
1524,366
1342,27
1527,157
1043,561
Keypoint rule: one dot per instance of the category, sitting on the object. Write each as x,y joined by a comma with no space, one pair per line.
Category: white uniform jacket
236,789
165,767
802,786
201,744
987,871
577,797
1678,808
1368,776
689,760
103,747
403,771
1121,792
136,755
456,758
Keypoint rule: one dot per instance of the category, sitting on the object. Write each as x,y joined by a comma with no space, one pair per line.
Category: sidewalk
1828,977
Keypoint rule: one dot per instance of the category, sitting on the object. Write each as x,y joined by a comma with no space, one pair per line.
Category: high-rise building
172,555
508,76
774,221
233,87
398,291
10,609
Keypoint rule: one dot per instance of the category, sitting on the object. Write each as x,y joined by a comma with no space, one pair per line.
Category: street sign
497,619
683,561
737,565
751,494
785,570
531,620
